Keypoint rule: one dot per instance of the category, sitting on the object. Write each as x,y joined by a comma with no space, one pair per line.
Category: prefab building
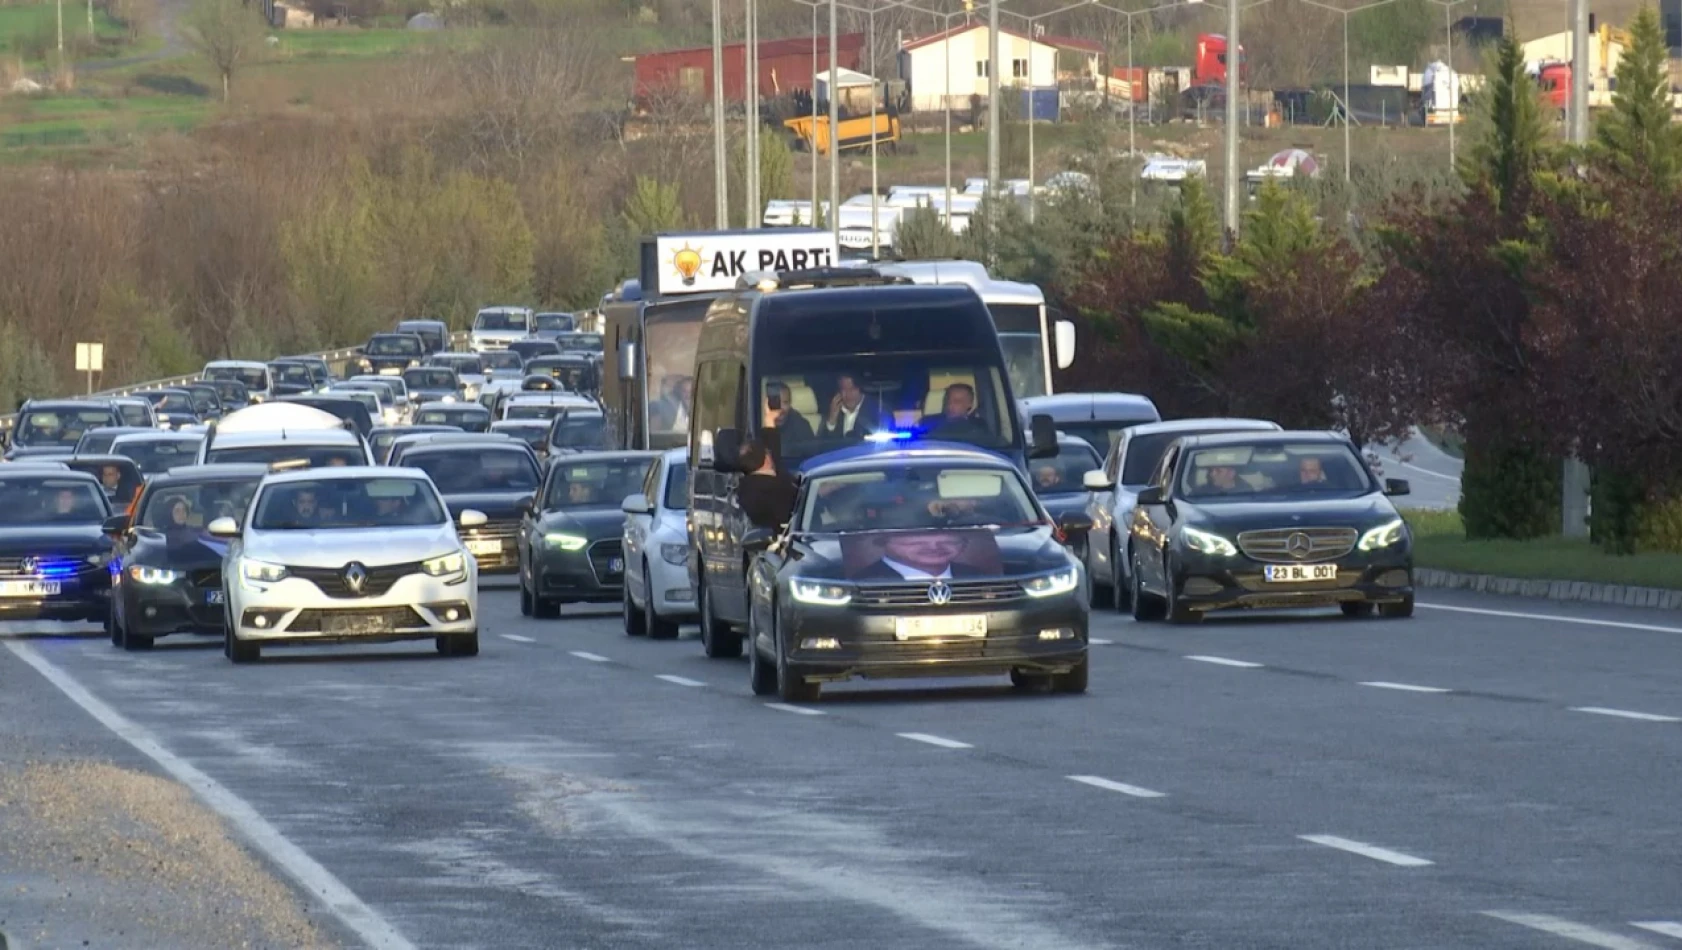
784,66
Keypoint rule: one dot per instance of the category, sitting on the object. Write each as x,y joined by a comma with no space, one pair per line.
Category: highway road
1495,773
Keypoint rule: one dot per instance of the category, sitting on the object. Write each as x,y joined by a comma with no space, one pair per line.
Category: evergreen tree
1637,139
1512,144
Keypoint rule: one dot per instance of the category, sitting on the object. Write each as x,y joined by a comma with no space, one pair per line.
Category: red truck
1210,66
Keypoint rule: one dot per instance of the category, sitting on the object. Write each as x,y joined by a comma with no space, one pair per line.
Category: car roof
442,406
391,333
119,430
286,437
14,469
345,472
157,435
285,359
675,455
236,364
420,323
1078,407
1268,437
912,456
101,458
520,424
505,308
128,399
68,404
487,441
214,470
558,398
1194,425
608,455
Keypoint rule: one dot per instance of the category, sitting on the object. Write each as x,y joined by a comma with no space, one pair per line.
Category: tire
659,628
132,642
717,639
458,644
1358,608
1144,605
1400,611
1178,613
1100,597
1121,581
762,676
1073,681
239,651
636,623
112,630
526,607
791,688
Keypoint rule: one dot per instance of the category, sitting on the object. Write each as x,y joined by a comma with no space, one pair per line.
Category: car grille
400,618
1294,545
601,555
12,567
964,593
504,531
210,577
331,580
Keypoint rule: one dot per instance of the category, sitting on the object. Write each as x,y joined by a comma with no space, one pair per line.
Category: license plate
31,589
355,625
963,625
391,371
616,565
215,597
1300,573
477,548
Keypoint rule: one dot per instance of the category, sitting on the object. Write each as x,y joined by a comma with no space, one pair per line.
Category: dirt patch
144,855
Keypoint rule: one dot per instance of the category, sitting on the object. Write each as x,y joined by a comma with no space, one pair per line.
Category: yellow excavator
855,131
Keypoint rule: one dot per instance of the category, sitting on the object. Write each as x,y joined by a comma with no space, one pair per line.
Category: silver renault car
356,554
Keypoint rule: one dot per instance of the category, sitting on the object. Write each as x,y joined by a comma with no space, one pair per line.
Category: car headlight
152,575
566,542
445,566
413,364
389,414
677,554
821,593
1050,585
447,398
1383,536
1206,543
470,391
261,571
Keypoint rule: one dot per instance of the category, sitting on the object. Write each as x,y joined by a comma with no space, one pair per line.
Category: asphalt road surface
1495,773
1432,474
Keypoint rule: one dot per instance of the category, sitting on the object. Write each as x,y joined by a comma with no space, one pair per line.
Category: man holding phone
780,413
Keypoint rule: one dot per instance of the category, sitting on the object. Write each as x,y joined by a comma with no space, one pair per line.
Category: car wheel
1121,579
239,651
717,640
1358,608
1178,613
636,623
112,628
1100,596
526,608
1397,611
544,608
458,644
762,676
1145,606
131,641
659,628
1073,681
791,688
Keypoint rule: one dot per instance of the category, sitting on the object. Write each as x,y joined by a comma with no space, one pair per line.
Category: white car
544,405
345,555
256,377
286,448
658,595
496,327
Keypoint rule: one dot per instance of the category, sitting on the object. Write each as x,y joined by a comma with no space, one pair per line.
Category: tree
229,34
1637,139
1510,145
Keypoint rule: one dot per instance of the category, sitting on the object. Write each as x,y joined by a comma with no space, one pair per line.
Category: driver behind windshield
958,421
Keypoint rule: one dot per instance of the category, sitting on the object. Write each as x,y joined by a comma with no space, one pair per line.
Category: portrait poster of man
921,555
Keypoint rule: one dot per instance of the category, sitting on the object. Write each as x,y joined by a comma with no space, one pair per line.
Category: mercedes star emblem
1299,545
939,593
355,577
30,565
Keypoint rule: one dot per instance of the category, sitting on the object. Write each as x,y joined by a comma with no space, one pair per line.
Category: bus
651,325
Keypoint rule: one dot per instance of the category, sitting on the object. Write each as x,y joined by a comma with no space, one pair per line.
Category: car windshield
97,442
431,334
534,435
533,348
554,321
393,346
500,321
381,393
1145,451
920,495
579,432
250,377
171,401
232,390
423,377
604,483
1066,472
580,342
287,456
133,414
533,410
1279,471
461,363
189,506
292,373
677,486
154,456
1101,435
502,360
47,500
205,401
468,418
339,503
61,427
472,468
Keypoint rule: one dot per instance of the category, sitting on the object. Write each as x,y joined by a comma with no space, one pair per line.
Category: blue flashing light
59,569
890,436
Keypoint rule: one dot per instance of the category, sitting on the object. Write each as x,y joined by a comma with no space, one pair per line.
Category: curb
1621,595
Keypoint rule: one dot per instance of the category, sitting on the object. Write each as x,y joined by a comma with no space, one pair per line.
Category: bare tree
227,33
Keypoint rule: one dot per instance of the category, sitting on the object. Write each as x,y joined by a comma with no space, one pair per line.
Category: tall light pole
1033,38
1132,103
1234,66
875,187
752,209
721,187
834,129
814,91
1346,112
992,100
1453,76
1580,55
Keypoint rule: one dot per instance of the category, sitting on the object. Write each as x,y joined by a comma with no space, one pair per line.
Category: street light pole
721,187
834,129
1234,62
750,139
1346,116
1580,72
875,189
992,100
814,91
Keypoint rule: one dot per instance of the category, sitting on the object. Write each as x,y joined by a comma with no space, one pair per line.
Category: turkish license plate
1300,573
355,624
615,565
959,625
215,597
390,371
477,548
31,589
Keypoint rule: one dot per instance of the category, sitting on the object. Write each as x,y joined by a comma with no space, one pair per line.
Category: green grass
350,43
1440,542
77,120
30,32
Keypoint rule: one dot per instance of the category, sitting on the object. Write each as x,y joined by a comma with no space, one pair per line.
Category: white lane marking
1570,930
1223,661
1108,785
1101,643
317,881
592,657
1624,714
1667,928
1584,621
517,638
1367,851
801,710
1425,471
934,740
679,680
1407,687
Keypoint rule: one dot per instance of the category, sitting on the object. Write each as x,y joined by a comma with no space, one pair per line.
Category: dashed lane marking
1624,714
517,638
934,740
1223,661
679,680
799,710
1570,930
1108,785
1556,618
1406,687
1367,851
592,657
1100,643
1666,928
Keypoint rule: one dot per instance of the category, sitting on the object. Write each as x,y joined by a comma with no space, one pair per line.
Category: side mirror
115,525
1396,486
1064,339
637,505
1043,438
472,519
756,540
223,528
1096,480
527,505
727,450
1074,524
1152,496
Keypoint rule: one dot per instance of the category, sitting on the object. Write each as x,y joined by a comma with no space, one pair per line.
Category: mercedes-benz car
490,476
168,568
54,553
571,537
915,562
1268,520
359,555
658,595
1060,482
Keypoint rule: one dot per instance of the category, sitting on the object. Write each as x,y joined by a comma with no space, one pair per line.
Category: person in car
958,421
1223,480
581,493
67,505
790,423
851,416
1311,471
1048,478
305,510
920,556
111,477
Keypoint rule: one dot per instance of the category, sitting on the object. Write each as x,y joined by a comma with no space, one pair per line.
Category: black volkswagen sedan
1269,520
572,534
54,552
169,577
489,476
916,563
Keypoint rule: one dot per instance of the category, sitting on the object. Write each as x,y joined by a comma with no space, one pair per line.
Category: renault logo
939,593
1299,545
30,565
356,576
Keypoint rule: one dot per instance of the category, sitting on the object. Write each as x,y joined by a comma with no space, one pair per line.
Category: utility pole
1574,480
992,100
834,128
61,34
721,187
750,145
1234,63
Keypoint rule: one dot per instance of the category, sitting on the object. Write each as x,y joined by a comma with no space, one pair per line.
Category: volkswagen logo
1299,544
30,566
356,577
940,593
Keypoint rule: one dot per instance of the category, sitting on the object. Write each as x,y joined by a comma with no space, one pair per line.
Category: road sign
90,357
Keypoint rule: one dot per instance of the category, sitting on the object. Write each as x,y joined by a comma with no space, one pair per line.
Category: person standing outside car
766,491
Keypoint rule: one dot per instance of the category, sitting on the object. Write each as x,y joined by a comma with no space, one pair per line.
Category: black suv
389,354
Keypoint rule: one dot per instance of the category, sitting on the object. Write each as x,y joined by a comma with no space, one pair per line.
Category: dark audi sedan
1269,520
491,477
572,535
916,563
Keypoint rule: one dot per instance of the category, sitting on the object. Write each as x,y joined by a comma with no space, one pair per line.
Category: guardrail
336,358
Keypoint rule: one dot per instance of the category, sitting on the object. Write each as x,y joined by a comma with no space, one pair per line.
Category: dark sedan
492,477
47,428
432,384
572,534
531,348
293,377
1059,482
98,441
534,433
232,393
466,416
381,438
169,577
209,401
576,372
174,408
54,552
915,563
389,354
118,475
1269,520
158,452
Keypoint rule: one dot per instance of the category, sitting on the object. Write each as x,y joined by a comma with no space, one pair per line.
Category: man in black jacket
767,491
